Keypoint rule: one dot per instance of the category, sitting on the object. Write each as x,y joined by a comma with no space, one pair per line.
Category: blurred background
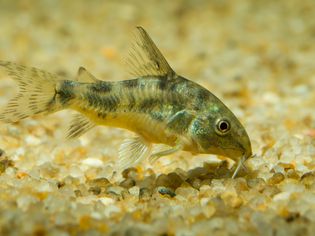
204,40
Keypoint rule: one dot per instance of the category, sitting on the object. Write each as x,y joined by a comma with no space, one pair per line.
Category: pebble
276,178
145,194
4,164
181,173
48,170
175,180
162,180
95,190
171,180
78,193
195,183
93,162
258,183
282,196
135,191
292,174
107,201
130,173
270,191
187,192
166,191
197,172
147,182
231,199
117,190
127,183
308,178
2,153
99,182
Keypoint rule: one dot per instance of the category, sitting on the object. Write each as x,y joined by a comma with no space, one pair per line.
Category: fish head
218,131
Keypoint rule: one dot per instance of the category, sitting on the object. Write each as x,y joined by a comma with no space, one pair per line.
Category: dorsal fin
145,58
85,77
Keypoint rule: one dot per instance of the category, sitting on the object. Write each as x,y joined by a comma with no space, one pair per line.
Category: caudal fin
37,92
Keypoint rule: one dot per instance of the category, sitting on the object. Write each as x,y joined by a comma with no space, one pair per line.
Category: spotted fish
159,106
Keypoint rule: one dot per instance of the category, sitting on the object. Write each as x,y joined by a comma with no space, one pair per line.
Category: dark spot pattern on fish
158,116
202,97
101,87
131,101
91,99
148,104
131,83
112,102
101,115
106,103
65,92
162,83
176,85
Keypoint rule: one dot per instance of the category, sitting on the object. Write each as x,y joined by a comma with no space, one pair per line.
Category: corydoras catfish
159,106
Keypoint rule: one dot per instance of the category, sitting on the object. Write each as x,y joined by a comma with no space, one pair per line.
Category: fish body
158,105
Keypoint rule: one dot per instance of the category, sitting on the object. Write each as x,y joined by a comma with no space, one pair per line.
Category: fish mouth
235,153
246,148
238,154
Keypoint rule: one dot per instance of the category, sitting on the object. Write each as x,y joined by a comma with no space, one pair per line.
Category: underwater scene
184,117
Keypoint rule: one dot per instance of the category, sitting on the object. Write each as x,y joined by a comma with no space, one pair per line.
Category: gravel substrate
257,56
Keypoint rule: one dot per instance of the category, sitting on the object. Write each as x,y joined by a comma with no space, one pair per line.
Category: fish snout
247,149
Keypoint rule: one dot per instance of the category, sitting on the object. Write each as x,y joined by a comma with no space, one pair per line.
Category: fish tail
38,91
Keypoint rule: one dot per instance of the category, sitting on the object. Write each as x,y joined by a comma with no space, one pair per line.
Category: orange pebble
21,175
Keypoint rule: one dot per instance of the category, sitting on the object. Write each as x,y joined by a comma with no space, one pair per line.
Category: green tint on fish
159,106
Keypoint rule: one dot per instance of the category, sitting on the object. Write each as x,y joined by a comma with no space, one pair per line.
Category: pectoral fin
132,151
180,121
78,126
155,156
179,124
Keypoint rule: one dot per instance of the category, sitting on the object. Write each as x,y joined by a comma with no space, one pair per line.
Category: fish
157,105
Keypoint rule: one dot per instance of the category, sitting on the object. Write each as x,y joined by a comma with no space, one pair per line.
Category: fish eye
222,127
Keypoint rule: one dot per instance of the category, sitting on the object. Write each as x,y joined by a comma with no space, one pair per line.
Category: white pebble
32,140
134,191
282,196
92,162
107,201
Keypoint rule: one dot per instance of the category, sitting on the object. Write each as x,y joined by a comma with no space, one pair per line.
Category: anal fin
78,126
132,151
